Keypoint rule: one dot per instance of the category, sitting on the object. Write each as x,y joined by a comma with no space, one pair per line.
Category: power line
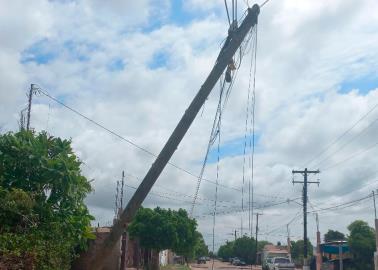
352,156
263,4
238,210
348,142
127,140
325,149
344,205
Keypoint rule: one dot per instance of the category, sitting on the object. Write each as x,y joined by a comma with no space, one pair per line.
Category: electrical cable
217,176
228,14
345,205
253,127
347,142
263,4
127,140
351,156
325,149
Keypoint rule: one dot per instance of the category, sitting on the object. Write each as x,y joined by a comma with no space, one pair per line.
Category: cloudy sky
134,67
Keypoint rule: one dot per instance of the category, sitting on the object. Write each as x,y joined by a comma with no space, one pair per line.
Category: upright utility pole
30,96
305,182
288,241
376,235
257,230
122,186
230,47
124,234
318,253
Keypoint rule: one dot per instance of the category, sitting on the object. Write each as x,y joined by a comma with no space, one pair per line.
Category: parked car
240,263
280,263
201,260
235,261
231,260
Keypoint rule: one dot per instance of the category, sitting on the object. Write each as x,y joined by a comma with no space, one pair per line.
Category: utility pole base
376,260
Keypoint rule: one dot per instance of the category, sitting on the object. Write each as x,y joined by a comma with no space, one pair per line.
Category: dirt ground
221,266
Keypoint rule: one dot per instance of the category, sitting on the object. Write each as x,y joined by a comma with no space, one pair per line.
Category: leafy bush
44,222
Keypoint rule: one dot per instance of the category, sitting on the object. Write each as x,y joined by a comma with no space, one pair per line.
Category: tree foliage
243,248
297,250
332,235
226,251
43,217
200,249
362,244
160,229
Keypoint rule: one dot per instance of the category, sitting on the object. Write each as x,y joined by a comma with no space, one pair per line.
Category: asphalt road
218,265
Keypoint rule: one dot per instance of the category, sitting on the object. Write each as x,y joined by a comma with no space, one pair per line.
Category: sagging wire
217,176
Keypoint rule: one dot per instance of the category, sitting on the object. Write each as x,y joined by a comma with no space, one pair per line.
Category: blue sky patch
46,51
80,50
40,53
231,149
363,84
116,65
159,60
178,14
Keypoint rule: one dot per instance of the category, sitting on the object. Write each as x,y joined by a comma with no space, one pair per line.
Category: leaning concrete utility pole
305,183
231,45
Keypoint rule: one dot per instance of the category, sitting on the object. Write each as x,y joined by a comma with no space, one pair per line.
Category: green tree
200,249
262,244
362,244
332,235
226,251
161,229
297,250
43,217
244,248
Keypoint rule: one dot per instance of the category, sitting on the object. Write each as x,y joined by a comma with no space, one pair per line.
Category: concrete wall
112,263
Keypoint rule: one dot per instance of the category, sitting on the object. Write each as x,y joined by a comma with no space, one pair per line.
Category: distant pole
341,256
318,252
305,182
257,230
122,185
288,241
124,234
235,235
29,106
375,207
376,234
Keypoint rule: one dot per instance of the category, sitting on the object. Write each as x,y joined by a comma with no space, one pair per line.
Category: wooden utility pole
30,97
305,182
376,234
124,234
230,47
257,230
318,252
288,241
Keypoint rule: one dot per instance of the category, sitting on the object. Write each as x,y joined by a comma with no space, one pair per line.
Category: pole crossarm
295,171
309,182
226,54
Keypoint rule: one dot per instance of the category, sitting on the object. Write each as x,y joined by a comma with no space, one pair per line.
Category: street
221,265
